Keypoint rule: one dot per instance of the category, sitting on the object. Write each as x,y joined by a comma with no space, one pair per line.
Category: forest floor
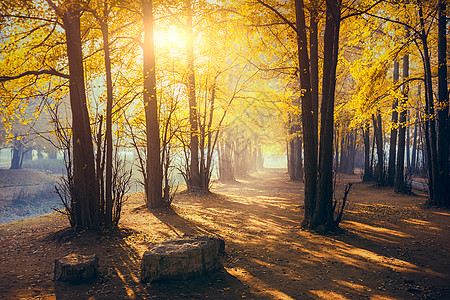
392,247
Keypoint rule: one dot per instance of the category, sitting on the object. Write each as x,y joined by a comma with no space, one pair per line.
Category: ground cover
393,247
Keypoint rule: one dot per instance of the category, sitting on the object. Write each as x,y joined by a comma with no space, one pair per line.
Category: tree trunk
309,132
195,180
314,65
443,191
85,193
226,172
337,157
154,169
430,130
400,186
414,150
323,215
291,150
17,154
378,135
408,145
393,140
298,158
108,130
368,176
260,158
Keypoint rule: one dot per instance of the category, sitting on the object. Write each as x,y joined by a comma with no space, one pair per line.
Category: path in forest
393,247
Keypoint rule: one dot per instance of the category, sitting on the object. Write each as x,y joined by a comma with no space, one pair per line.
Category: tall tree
194,169
85,187
154,170
430,124
378,138
400,185
393,138
443,114
324,212
309,133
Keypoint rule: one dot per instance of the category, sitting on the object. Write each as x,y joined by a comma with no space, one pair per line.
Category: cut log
76,268
181,258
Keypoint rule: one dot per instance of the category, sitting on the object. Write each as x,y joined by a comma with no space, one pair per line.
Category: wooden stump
76,268
181,258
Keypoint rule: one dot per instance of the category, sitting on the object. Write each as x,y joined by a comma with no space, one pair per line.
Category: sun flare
171,36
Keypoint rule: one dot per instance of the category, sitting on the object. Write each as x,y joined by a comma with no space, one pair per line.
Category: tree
323,215
400,184
194,170
443,114
154,171
85,195
393,138
309,131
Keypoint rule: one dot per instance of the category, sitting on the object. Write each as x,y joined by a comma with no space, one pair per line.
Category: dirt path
393,248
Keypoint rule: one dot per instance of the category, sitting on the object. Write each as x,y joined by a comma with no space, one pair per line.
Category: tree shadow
120,267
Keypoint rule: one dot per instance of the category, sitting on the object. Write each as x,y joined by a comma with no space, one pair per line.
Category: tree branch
360,12
36,73
278,14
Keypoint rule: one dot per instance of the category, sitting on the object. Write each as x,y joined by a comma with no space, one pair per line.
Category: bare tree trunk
400,186
414,150
154,169
309,132
443,114
226,172
85,194
195,180
298,158
323,215
314,65
260,158
430,130
368,176
108,131
337,157
378,136
408,144
17,154
393,140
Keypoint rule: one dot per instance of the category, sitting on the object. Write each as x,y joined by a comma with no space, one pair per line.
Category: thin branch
361,12
36,73
278,14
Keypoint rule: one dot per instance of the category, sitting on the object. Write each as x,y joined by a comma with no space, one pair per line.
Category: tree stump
76,268
181,258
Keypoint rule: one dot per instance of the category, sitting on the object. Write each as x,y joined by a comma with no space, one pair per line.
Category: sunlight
442,213
253,282
368,228
129,291
358,287
328,295
421,223
170,37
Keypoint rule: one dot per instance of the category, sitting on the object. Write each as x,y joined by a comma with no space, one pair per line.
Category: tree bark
393,139
85,193
195,180
378,136
108,130
368,176
430,125
17,154
443,191
400,186
154,169
314,65
309,133
323,211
